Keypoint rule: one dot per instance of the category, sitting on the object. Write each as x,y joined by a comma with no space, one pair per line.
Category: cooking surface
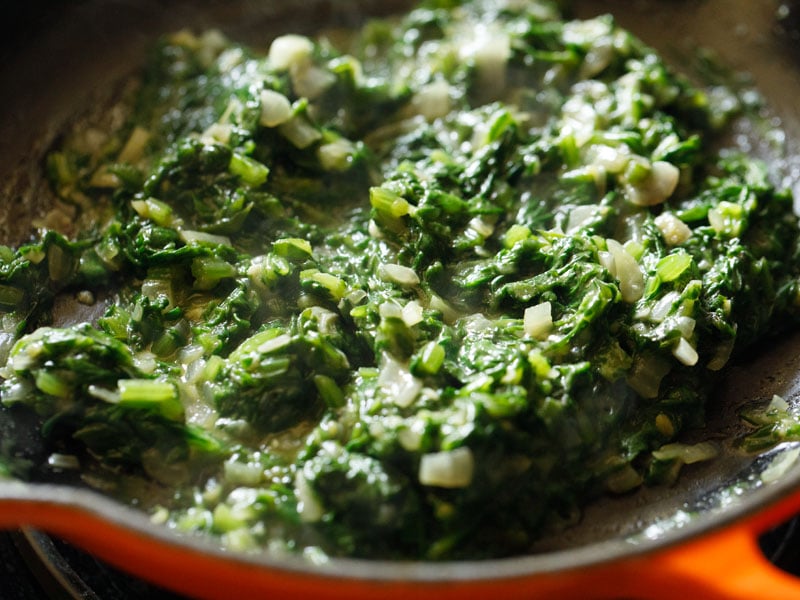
770,78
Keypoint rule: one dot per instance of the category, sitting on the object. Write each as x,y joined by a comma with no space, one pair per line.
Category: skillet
696,538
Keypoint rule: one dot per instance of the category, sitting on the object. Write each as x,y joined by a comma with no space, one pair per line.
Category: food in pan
419,292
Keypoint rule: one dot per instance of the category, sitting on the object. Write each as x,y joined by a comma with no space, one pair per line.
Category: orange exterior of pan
718,562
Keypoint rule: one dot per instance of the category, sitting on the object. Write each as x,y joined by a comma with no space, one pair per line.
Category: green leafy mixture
422,294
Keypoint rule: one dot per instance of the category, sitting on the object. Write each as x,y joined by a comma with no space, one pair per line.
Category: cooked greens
421,295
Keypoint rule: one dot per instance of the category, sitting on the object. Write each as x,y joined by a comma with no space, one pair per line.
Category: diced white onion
275,108
410,438
145,362
63,461
780,465
579,119
390,310
687,453
133,149
190,237
449,314
685,352
308,507
674,230
721,356
656,187
580,216
481,226
412,313
104,394
399,274
217,132
288,50
538,320
247,474
663,307
627,271
7,341
309,80
230,58
646,374
453,469
612,158
432,100
777,404
374,231
398,383
336,155
490,49
685,325
299,132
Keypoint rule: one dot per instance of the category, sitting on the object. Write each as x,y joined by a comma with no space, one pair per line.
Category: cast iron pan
696,539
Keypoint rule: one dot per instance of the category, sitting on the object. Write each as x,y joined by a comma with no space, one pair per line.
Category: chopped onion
685,352
490,49
309,80
580,216
104,394
399,274
133,150
452,469
646,374
656,186
627,271
412,313
674,231
390,310
612,158
190,237
778,404
721,356
246,474
663,307
336,155
482,227
780,465
217,132
449,314
398,383
288,50
685,325
687,453
432,100
63,461
299,132
538,320
275,108
308,507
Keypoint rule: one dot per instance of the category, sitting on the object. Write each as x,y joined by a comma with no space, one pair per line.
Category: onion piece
687,453
627,271
451,469
685,352
538,320
275,108
398,274
288,50
674,231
